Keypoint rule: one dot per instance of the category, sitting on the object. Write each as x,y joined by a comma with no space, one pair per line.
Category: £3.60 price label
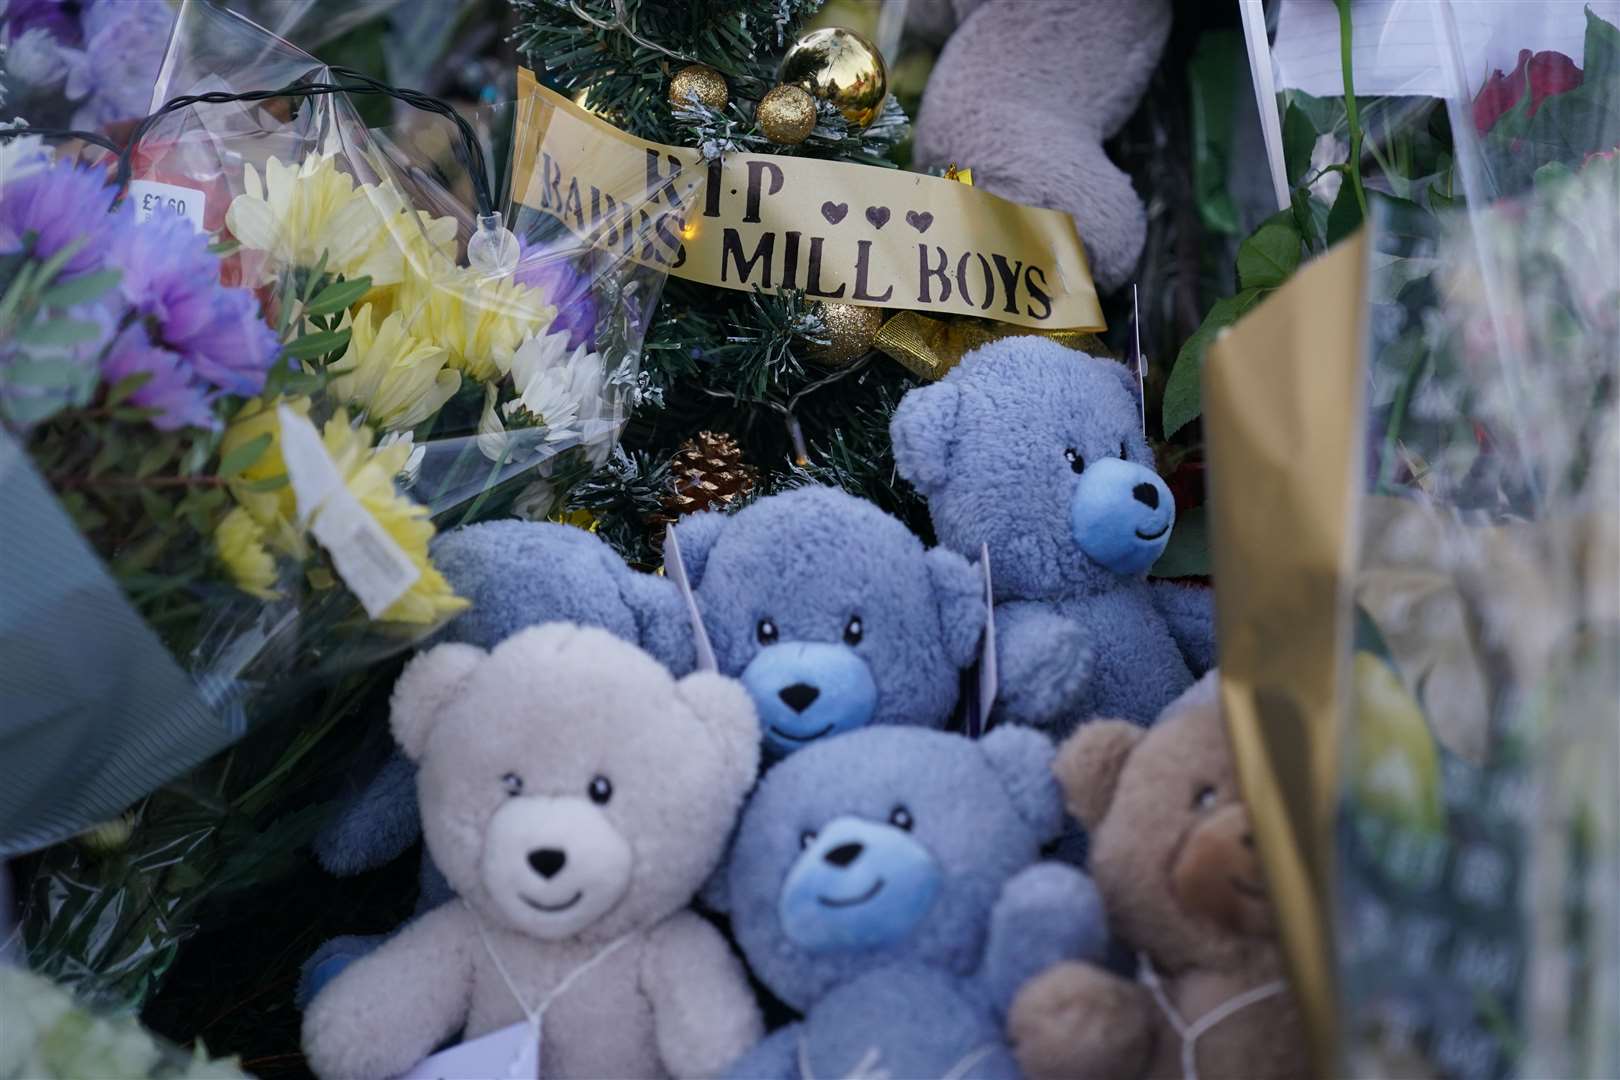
152,197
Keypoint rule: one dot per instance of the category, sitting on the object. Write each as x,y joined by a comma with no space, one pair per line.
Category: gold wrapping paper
851,233
1282,421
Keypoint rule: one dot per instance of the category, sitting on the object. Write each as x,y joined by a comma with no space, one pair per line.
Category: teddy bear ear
1022,759
923,430
697,534
1089,763
727,712
426,685
959,595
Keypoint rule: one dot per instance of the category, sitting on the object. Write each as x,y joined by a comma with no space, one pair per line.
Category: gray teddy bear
1027,93
1037,451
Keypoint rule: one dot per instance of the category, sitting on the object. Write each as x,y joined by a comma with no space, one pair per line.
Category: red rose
1544,73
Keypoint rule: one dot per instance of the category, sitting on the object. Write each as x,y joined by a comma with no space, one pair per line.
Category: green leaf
269,483
1266,259
155,457
57,333
47,374
337,296
316,345
1554,172
1212,91
80,289
243,457
1345,217
1602,59
1187,553
1183,394
119,392
112,451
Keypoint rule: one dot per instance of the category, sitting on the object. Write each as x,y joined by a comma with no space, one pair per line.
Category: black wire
471,151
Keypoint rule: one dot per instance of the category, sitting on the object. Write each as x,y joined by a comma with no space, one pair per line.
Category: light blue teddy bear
887,885
1037,451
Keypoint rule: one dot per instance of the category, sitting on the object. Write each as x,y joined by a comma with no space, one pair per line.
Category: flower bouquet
244,398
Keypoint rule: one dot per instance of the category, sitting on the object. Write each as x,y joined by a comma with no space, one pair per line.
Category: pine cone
708,472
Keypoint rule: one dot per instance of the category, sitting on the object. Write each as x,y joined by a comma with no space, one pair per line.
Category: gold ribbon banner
855,234
930,347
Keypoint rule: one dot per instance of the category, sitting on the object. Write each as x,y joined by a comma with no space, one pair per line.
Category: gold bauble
701,83
851,330
786,114
839,66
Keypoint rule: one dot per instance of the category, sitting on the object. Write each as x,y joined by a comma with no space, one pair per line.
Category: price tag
512,1053
371,564
152,197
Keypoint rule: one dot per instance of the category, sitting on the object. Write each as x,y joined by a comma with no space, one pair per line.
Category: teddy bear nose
547,861
1147,495
844,854
799,696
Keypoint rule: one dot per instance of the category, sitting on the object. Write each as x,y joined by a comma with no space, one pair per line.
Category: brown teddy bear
1173,856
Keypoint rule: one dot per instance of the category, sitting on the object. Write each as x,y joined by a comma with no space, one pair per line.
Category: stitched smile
827,901
1247,889
552,909
801,738
1140,535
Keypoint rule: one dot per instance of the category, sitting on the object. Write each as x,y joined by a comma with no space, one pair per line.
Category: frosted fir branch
716,134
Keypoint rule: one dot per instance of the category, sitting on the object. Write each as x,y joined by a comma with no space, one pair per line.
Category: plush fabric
575,794
1174,859
1037,451
808,561
1027,94
887,885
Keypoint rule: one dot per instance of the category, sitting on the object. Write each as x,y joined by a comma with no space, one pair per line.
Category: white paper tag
151,197
989,678
512,1053
1138,361
371,564
675,567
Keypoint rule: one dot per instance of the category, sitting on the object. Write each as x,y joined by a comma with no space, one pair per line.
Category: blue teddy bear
831,612
887,885
1037,451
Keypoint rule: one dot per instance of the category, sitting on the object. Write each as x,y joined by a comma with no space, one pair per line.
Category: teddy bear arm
773,1058
388,1010
1079,1021
1189,613
1045,663
1049,913
704,1013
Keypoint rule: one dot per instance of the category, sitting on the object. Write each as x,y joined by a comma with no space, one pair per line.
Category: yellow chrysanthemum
295,214
480,320
277,508
239,541
397,379
368,473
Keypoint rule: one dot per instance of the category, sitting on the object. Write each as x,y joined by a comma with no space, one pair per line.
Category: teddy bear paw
1078,1020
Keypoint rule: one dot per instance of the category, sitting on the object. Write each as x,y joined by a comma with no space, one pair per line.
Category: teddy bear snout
554,865
858,884
1120,514
1217,872
805,690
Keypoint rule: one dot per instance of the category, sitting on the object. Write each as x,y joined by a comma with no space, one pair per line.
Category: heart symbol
921,221
878,216
834,211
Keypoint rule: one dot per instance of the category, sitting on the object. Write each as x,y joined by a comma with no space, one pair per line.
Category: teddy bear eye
900,818
1076,462
513,783
854,630
806,838
1204,798
766,632
601,789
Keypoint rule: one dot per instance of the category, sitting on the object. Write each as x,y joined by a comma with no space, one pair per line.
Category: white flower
535,502
408,473
22,156
559,396
35,59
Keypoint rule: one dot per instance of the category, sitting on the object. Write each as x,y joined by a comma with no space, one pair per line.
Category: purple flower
124,43
179,400
562,283
53,16
59,205
196,338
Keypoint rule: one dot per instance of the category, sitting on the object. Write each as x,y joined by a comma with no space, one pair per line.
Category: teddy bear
829,610
576,795
1026,95
887,884
1173,857
1036,451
